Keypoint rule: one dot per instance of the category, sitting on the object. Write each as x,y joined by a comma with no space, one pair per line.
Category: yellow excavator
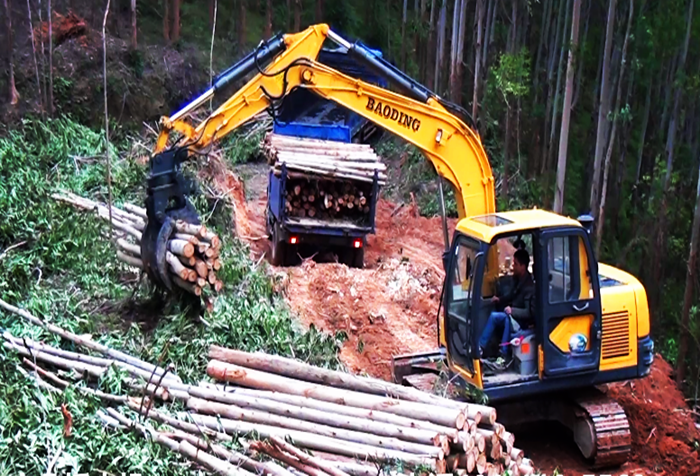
591,321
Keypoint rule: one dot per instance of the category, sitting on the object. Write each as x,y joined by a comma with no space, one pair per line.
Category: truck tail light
357,244
293,240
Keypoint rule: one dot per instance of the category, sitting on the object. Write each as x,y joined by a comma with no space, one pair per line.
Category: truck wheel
279,248
357,258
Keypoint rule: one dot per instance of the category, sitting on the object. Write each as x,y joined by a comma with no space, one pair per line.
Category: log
93,365
256,416
425,437
211,277
191,276
181,247
229,456
136,406
131,248
130,260
209,461
306,458
302,371
352,468
217,264
189,262
57,361
189,228
313,441
89,343
282,457
176,266
127,228
340,409
185,237
141,212
266,381
517,455
201,267
481,463
187,286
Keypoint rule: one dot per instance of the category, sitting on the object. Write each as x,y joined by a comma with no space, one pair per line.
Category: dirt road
390,308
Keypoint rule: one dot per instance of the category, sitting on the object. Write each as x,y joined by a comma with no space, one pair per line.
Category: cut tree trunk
175,31
265,381
255,416
425,437
312,441
166,20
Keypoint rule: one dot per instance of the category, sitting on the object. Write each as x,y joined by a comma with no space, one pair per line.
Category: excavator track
602,430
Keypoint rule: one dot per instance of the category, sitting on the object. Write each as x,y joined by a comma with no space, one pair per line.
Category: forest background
584,106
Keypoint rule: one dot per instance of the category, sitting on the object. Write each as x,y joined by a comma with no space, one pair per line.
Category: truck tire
356,258
278,248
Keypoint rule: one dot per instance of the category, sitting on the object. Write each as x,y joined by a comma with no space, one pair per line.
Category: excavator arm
415,114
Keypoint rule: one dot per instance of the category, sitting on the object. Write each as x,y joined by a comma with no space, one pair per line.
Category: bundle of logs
326,158
192,253
312,421
324,199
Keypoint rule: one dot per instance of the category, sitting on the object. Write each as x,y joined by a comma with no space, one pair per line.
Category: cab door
462,295
569,303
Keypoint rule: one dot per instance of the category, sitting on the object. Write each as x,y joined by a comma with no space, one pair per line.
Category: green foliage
512,75
67,273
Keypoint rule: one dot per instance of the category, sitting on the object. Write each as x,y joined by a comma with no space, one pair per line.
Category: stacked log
345,415
327,199
192,252
326,158
286,408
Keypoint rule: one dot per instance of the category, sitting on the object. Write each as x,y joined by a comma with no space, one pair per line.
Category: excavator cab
556,336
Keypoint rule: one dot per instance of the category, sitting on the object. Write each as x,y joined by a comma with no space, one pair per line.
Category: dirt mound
64,28
664,435
385,311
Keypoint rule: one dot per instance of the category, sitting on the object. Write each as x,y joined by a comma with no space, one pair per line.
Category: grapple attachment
166,203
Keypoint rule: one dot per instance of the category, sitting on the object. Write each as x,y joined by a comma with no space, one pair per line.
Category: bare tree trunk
42,59
550,77
440,54
13,95
566,113
611,145
544,34
579,73
404,19
604,108
430,59
36,65
104,87
319,11
297,16
134,29
642,139
660,234
242,25
166,20
480,12
211,50
175,31
689,284
458,25
268,20
557,92
50,19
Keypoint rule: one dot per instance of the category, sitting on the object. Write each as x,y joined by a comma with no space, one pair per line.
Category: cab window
563,268
462,274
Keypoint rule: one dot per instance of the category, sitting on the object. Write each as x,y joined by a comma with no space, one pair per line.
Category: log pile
324,199
326,158
192,254
287,409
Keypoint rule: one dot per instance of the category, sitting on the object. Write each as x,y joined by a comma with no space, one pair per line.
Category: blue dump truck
325,178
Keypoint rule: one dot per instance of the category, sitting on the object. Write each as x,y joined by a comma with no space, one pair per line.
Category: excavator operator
517,308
